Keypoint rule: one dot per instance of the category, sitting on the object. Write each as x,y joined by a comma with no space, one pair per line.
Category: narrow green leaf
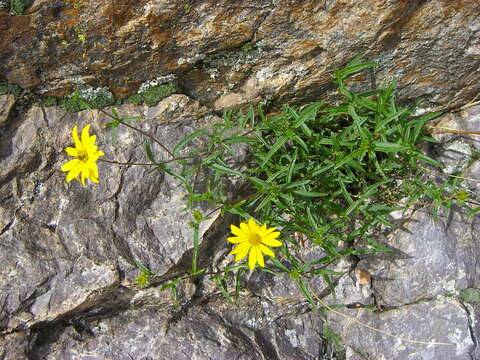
291,167
187,139
278,144
473,211
240,140
222,289
224,169
149,152
310,194
305,292
390,147
429,160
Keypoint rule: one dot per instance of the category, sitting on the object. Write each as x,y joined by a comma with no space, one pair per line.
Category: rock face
239,52
69,256
6,104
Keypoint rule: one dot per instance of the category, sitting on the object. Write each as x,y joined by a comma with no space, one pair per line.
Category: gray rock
202,333
67,262
434,257
12,346
64,246
6,104
444,321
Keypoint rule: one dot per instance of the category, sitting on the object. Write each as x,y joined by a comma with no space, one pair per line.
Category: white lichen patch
420,111
457,148
234,59
91,94
160,80
292,337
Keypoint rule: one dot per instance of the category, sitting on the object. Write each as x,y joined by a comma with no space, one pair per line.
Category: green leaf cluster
6,88
17,7
330,174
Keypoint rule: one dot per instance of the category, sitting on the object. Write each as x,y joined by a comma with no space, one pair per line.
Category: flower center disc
254,239
82,156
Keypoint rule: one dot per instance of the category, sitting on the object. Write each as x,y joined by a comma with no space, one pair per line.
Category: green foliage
144,277
49,101
329,174
324,171
152,95
470,295
83,100
17,7
6,88
333,340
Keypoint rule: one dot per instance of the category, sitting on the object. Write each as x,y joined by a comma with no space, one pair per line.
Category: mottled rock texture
68,253
6,104
237,52
68,262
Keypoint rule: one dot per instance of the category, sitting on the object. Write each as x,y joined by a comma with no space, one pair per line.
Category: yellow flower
252,240
86,154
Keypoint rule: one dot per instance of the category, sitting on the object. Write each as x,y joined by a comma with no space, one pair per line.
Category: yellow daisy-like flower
86,154
253,239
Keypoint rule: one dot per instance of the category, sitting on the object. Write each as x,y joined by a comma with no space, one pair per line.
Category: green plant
6,88
152,95
87,99
470,295
316,170
144,277
329,174
17,7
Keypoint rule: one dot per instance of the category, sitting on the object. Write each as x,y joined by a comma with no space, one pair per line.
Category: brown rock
282,51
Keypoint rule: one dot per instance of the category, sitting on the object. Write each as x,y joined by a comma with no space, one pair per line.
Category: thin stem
153,138
155,164
222,206
126,163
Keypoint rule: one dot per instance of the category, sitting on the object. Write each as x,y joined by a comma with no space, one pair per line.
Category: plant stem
153,138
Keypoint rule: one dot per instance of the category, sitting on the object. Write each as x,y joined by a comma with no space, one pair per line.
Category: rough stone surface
68,253
433,258
203,333
12,346
238,52
64,246
6,104
444,321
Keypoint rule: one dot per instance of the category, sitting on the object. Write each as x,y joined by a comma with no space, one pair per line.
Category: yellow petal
94,173
85,136
273,235
235,230
76,140
93,156
91,140
71,151
252,225
93,169
252,259
266,250
73,174
267,231
241,251
271,242
236,239
259,257
244,228
69,165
